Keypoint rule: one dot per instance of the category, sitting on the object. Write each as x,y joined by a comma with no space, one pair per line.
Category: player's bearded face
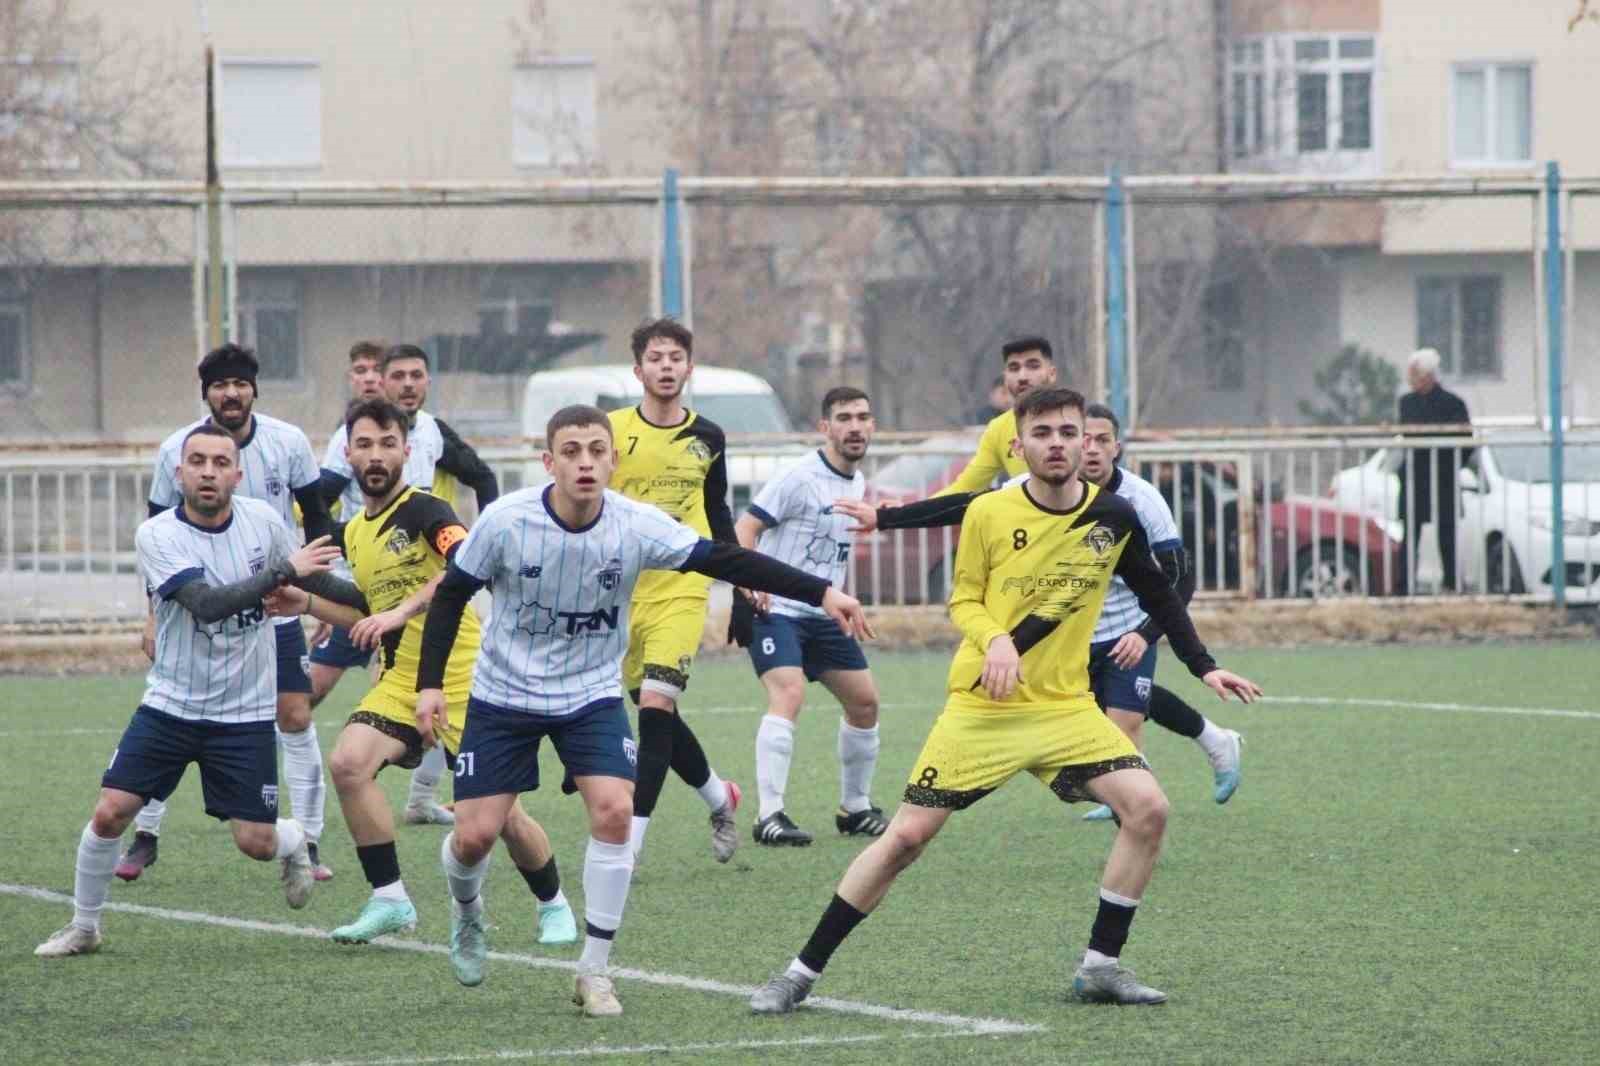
663,368
231,400
378,457
405,382
849,428
1052,445
208,474
581,459
1027,371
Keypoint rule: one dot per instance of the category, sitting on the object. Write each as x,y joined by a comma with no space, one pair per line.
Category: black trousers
1443,515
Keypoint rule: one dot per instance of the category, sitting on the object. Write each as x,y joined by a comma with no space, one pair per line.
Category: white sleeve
164,483
333,459
303,468
1160,529
479,553
773,502
664,543
163,560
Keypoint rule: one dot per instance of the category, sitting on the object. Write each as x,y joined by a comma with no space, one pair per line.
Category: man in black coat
1428,499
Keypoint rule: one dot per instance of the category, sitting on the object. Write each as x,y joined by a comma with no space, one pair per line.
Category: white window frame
1491,71
1455,357
249,163
561,154
248,303
14,300
69,160
1280,119
520,292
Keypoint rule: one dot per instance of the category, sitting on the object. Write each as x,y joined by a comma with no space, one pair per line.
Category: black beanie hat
229,361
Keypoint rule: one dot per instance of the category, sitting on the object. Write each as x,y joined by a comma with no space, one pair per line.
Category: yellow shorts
971,752
390,707
662,639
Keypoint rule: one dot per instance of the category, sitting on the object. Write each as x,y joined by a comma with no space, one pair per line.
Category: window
269,322
553,113
13,334
39,118
270,113
1292,96
1460,316
511,307
1492,113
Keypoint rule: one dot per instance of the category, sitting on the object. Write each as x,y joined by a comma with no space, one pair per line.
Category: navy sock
655,755
545,881
1110,930
380,864
836,924
1169,711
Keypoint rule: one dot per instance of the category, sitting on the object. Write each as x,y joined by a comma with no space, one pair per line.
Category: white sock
148,820
1091,957
395,890
425,778
858,760
774,749
557,900
302,772
607,872
1212,739
802,971
636,831
97,857
291,834
714,792
466,882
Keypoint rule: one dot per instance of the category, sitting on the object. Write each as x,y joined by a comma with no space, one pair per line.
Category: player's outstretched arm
286,601
749,569
368,633
213,603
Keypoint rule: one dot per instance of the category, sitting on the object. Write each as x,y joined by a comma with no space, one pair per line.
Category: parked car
1503,528
1316,547
736,400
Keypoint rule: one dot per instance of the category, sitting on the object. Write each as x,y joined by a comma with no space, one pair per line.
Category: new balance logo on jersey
530,571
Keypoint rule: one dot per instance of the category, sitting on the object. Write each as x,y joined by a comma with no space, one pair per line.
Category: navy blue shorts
339,653
817,645
238,763
294,664
1114,687
500,747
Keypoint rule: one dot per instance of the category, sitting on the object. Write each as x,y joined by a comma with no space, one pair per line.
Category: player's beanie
229,361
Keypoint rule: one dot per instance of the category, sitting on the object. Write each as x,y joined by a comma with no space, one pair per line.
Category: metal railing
1263,519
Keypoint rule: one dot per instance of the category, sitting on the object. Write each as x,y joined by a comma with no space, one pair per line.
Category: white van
736,400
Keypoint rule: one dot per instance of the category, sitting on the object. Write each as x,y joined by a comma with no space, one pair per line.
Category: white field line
755,710
969,1025
600,1050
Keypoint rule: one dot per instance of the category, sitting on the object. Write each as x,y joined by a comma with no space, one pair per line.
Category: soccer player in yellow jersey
1028,363
669,456
1032,570
397,548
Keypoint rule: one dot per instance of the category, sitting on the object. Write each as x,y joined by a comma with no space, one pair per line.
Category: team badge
398,541
699,449
610,575
630,751
1101,539
274,483
269,797
1141,688
258,563
684,662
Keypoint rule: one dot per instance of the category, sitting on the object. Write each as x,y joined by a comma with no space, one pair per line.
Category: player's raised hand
1225,683
865,514
286,601
316,557
1002,668
846,610
431,715
367,633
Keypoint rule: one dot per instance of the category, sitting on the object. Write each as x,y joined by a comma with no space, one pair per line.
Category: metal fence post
1555,299
1116,301
671,248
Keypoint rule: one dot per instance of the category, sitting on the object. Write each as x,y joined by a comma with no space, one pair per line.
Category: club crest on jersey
531,571
1141,688
699,449
610,575
1101,538
630,751
269,797
399,540
258,563
274,483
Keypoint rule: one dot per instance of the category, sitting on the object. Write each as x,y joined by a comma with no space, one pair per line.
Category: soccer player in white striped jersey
793,519
561,562
210,697
277,467
400,374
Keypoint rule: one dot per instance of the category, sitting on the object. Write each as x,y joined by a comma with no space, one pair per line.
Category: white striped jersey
1122,612
555,636
276,458
223,671
802,528
427,445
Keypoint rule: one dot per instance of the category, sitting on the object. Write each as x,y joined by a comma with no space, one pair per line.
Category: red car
1316,548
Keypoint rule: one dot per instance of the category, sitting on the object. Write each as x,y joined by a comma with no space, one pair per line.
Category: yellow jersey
1041,576
393,554
680,469
992,459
